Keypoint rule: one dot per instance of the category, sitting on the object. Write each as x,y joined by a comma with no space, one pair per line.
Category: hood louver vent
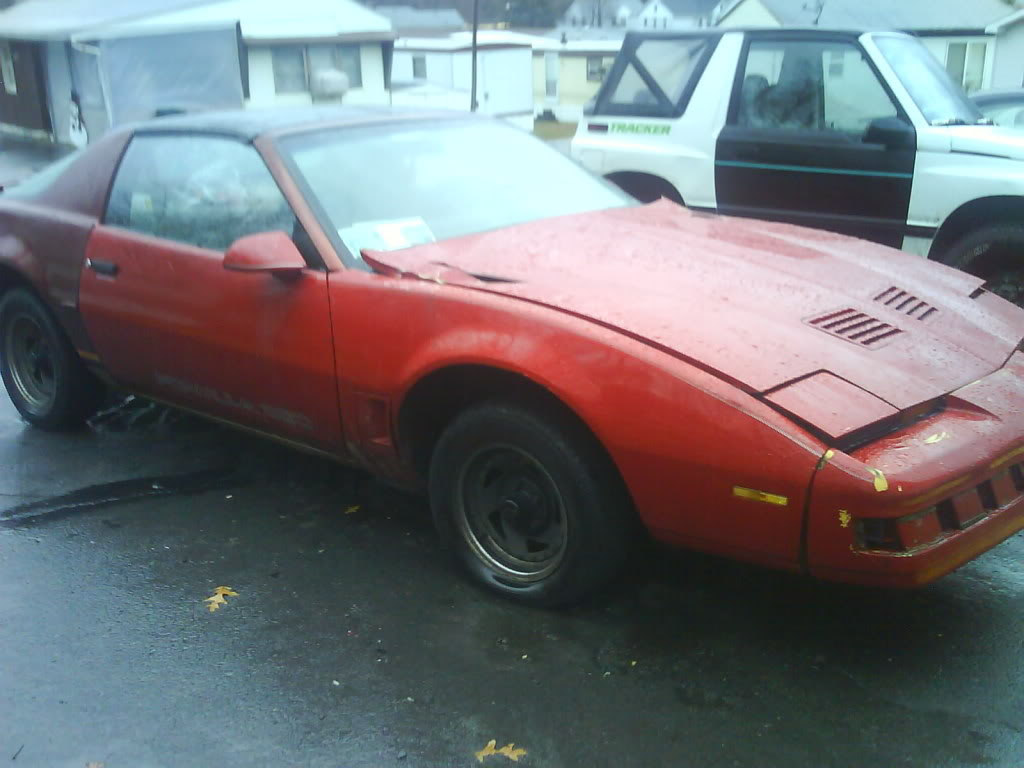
856,327
901,301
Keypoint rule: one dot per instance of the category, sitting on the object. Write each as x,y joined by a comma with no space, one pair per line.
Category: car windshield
939,99
409,183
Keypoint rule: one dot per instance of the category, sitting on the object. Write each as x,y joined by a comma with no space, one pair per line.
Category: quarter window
200,190
810,86
656,77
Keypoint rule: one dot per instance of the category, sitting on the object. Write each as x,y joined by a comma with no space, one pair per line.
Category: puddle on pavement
121,491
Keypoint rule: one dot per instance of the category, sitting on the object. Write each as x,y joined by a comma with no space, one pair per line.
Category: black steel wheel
530,506
44,377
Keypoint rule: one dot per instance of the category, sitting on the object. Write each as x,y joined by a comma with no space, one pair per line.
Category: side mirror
265,252
892,133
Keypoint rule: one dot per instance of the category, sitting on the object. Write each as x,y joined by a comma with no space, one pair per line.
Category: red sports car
448,302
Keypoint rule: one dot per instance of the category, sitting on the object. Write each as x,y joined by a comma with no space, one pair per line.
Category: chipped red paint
681,340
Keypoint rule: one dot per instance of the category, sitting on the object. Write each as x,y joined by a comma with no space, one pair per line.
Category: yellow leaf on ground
510,751
352,510
215,602
225,591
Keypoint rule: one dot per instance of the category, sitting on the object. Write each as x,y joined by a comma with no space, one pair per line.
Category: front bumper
910,508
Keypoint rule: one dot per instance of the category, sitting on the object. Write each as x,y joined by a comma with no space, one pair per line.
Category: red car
447,302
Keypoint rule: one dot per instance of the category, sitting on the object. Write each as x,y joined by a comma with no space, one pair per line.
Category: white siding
505,81
438,66
371,60
1008,69
58,87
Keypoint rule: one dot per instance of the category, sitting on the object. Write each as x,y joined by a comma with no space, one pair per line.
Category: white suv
858,133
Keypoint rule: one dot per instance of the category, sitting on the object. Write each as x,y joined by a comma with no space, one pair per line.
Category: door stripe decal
811,169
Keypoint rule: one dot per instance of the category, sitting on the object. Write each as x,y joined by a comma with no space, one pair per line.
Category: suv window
656,77
201,190
816,86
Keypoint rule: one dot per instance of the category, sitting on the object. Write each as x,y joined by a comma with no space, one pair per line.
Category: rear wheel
530,506
45,379
996,254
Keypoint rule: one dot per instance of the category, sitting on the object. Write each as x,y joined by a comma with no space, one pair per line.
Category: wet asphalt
351,641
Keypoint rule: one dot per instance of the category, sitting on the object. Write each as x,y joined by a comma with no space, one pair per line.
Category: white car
858,133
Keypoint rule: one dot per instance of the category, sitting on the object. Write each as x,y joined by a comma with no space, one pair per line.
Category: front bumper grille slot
958,513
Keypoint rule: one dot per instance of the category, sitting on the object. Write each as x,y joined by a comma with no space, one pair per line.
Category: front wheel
531,507
995,254
45,379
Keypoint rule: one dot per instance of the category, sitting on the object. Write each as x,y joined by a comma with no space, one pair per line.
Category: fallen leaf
881,484
510,751
938,437
826,457
352,510
215,602
226,591
94,765
844,518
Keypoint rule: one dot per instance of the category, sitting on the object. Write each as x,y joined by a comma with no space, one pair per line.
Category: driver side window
810,86
200,190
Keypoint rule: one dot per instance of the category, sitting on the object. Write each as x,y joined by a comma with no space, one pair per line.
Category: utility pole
476,23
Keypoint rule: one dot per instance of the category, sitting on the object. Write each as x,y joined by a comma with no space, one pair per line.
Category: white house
674,14
120,60
600,14
437,72
980,42
568,73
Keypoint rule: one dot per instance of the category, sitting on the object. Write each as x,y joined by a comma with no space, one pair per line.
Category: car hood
759,304
995,141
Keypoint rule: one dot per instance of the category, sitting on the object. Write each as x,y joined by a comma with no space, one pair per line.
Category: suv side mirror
892,133
272,252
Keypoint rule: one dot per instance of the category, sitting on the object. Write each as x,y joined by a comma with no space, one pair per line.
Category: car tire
645,189
46,380
995,253
529,504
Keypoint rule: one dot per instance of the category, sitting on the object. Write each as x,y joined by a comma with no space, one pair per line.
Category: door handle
102,267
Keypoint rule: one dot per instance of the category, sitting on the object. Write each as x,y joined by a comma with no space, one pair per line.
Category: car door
168,320
814,137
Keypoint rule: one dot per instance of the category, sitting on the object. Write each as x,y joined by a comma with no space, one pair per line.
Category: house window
419,67
7,69
965,63
290,69
293,65
596,68
344,58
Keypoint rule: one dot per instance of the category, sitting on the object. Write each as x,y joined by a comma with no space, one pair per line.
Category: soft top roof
247,124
